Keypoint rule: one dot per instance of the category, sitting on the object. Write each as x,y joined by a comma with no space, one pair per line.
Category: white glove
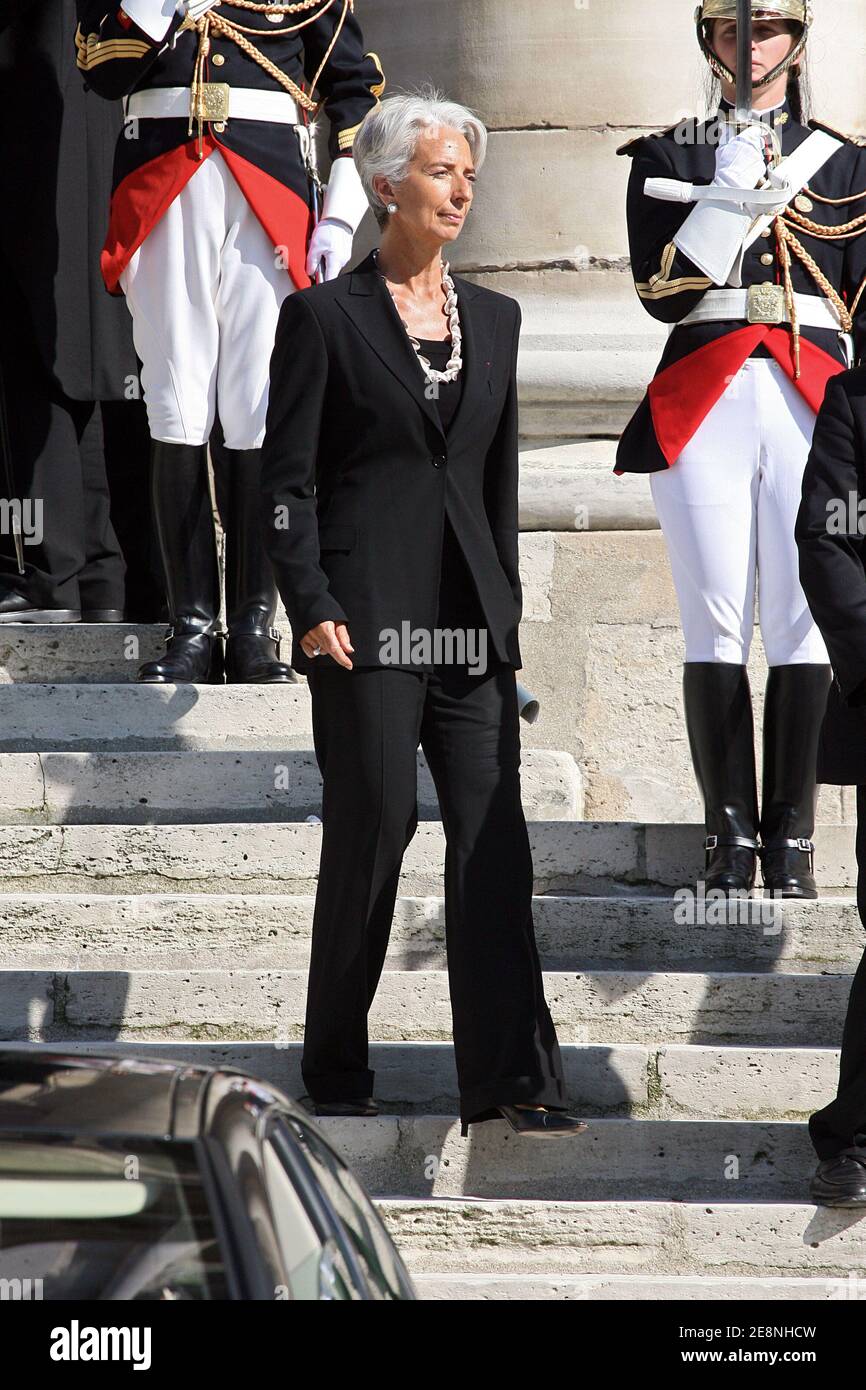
153,17
345,198
741,160
713,234
332,243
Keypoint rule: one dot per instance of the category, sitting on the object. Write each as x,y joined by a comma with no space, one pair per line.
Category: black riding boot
718,705
183,519
253,645
794,709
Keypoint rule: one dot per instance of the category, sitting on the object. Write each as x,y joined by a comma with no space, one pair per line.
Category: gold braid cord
834,202
787,242
215,23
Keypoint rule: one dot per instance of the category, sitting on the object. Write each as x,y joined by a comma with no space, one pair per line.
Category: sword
743,108
6,451
307,142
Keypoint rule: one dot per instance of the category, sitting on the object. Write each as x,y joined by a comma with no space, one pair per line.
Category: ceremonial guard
748,236
212,224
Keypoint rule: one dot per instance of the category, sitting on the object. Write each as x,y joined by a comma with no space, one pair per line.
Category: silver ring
317,651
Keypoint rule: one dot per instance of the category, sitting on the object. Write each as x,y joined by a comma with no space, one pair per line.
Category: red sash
140,200
683,394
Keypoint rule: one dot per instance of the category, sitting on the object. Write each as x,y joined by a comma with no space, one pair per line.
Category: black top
458,598
438,353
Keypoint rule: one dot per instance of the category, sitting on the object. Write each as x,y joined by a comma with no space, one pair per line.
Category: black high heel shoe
544,1123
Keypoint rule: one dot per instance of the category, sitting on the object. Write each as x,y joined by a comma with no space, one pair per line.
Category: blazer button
438,461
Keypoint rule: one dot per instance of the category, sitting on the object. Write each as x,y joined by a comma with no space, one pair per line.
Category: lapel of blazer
369,305
479,335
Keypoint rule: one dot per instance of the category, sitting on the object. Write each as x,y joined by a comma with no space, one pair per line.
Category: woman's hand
329,639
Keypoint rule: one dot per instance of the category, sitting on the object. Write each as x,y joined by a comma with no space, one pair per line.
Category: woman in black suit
390,516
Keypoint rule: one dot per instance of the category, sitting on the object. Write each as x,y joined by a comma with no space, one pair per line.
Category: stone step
628,1288
572,487
614,1160
205,785
658,1082
101,718
77,652
175,930
472,1236
568,856
258,1005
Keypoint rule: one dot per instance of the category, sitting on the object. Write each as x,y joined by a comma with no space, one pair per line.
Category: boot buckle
808,848
802,843
170,633
711,842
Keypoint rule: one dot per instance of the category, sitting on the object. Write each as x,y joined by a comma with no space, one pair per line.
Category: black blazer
833,569
357,475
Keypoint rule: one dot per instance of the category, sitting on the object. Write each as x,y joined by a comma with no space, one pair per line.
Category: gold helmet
798,10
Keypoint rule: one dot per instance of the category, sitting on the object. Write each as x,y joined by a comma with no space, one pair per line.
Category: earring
392,207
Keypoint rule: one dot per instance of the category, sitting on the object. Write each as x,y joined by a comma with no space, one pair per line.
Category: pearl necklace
455,361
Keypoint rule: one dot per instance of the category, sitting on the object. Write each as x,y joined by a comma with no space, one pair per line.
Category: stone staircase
157,872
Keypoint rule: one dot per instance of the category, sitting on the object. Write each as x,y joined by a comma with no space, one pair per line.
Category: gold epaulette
839,134
636,139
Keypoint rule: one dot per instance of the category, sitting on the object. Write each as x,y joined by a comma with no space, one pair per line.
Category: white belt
244,103
764,304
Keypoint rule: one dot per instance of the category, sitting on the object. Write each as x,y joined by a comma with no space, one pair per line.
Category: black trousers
58,461
367,725
842,1124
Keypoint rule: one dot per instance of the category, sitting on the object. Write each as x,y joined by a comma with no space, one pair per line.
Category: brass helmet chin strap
798,10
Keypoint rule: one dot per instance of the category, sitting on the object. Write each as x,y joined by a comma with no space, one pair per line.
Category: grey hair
388,137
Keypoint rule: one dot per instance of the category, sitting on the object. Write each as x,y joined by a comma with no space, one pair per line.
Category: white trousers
727,508
204,290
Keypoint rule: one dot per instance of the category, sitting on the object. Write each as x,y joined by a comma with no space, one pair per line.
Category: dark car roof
97,1094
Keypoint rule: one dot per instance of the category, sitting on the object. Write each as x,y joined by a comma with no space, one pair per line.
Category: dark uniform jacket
359,475
56,147
831,537
155,157
670,285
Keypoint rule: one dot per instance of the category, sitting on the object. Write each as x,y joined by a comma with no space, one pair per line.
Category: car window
382,1266
105,1219
315,1267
